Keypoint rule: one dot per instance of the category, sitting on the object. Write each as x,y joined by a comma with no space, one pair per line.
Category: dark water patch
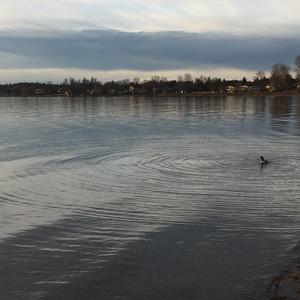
88,258
183,262
35,260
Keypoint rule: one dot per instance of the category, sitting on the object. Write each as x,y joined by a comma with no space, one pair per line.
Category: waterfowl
263,161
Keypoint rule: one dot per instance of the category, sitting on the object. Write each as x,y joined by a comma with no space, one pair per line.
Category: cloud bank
114,50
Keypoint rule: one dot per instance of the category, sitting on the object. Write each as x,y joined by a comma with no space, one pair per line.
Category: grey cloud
113,50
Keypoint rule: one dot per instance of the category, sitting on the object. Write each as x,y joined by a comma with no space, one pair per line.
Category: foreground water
141,198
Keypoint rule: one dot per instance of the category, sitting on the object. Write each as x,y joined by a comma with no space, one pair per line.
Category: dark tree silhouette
297,69
280,77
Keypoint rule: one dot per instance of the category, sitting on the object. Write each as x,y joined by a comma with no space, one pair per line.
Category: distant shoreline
281,83
195,94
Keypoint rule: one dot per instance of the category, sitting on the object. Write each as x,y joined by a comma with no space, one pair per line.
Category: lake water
147,198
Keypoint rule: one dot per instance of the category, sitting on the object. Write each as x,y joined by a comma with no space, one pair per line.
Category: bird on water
263,161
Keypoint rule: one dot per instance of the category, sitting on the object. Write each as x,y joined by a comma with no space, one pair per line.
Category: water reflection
149,107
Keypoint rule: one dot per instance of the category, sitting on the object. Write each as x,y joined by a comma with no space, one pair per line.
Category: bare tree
188,77
163,79
260,80
260,75
297,69
280,77
136,80
155,78
65,82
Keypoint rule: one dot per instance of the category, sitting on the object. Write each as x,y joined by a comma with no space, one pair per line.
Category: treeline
281,80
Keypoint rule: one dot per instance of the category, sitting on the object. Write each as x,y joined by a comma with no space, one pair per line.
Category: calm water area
147,198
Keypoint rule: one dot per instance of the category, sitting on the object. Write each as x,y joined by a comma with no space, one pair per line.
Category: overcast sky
49,40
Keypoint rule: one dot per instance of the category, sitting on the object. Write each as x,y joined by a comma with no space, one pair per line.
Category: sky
117,39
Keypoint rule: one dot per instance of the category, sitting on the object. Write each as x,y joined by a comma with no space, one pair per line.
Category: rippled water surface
142,198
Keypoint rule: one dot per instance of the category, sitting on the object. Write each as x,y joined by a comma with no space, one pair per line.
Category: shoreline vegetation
280,83
81,88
